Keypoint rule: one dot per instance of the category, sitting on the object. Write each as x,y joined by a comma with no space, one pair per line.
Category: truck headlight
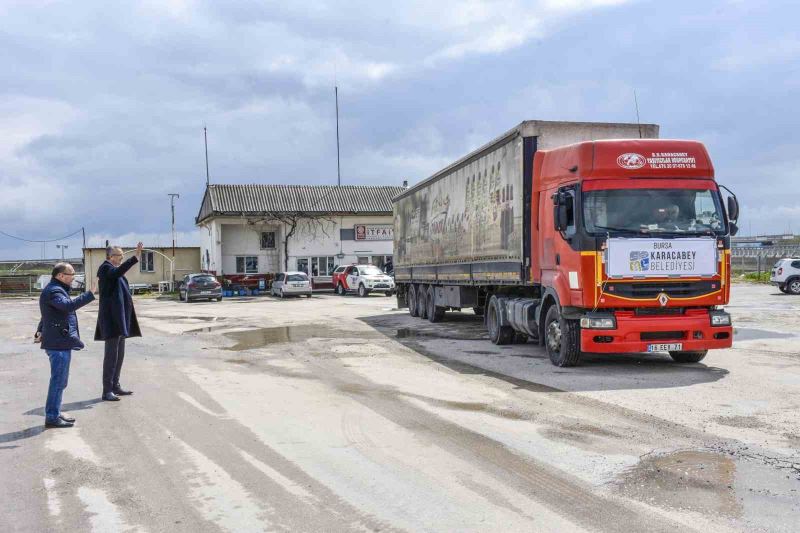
720,318
598,321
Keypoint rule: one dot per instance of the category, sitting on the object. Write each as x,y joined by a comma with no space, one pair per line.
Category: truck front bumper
633,334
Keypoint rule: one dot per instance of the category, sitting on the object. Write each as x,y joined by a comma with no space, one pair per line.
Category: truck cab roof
622,159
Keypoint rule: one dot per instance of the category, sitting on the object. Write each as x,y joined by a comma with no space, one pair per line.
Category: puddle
696,480
207,329
750,334
258,338
184,317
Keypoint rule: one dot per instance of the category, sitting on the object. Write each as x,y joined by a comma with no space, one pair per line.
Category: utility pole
338,167
172,197
205,139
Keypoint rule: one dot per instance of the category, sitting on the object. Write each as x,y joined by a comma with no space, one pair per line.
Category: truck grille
662,335
658,311
676,289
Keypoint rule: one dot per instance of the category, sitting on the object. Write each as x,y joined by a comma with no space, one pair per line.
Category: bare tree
314,223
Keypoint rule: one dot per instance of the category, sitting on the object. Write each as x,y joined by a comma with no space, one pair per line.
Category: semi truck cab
631,243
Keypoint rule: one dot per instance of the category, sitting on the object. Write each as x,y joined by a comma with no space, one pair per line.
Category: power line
38,240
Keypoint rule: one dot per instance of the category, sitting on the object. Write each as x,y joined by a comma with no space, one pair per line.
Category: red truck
601,246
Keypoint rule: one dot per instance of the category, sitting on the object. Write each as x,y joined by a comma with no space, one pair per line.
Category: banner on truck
661,257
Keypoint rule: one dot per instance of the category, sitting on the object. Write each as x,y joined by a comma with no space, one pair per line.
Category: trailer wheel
497,334
422,301
688,357
435,314
561,339
411,293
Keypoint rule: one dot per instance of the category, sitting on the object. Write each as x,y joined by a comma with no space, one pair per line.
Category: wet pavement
343,414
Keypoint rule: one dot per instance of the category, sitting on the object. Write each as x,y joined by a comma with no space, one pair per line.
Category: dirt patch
697,480
744,422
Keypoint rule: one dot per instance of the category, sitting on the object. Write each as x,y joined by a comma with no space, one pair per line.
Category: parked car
200,285
786,275
362,279
291,284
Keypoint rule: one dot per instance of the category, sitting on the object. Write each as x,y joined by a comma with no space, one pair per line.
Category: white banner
374,232
661,257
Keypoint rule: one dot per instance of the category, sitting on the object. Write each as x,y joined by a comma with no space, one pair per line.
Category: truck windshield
685,211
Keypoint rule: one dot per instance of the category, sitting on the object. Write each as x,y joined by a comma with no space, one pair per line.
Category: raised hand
139,250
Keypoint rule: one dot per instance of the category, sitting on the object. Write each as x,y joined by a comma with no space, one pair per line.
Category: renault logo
663,299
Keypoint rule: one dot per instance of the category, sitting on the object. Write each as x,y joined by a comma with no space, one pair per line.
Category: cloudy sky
103,108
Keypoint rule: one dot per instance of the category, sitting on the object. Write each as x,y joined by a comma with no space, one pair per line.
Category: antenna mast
205,139
638,122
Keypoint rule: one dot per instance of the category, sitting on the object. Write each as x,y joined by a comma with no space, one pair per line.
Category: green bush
754,276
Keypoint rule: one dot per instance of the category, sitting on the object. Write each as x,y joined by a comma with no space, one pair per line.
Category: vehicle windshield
296,277
370,271
689,211
204,279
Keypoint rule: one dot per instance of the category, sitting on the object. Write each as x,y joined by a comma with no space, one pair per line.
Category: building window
382,261
322,266
147,262
363,259
267,240
247,264
302,264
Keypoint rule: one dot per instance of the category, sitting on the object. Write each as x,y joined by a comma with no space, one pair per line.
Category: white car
291,284
786,275
367,278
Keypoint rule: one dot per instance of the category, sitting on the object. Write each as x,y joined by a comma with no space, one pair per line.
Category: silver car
291,284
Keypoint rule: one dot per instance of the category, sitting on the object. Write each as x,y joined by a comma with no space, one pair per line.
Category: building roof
146,247
262,199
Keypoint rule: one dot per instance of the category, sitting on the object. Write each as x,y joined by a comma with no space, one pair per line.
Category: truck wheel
793,286
561,338
478,311
435,314
340,289
497,334
422,302
362,291
411,293
688,357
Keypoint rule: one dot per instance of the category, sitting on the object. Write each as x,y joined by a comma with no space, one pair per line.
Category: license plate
205,292
675,347
297,284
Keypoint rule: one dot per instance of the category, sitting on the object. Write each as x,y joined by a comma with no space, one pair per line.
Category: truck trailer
583,237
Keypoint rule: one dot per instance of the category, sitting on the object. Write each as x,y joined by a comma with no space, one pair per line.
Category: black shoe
110,397
66,418
119,391
58,423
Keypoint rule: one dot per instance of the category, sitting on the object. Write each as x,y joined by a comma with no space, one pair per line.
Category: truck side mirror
734,229
733,209
561,204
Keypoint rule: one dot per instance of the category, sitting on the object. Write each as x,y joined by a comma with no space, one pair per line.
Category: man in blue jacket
116,318
58,332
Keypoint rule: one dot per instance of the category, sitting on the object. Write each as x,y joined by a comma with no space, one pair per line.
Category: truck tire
422,301
478,311
561,339
411,293
497,334
793,286
688,357
435,314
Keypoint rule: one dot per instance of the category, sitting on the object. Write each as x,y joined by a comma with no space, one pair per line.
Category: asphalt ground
345,414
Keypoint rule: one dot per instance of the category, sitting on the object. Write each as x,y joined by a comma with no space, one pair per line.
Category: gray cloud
103,107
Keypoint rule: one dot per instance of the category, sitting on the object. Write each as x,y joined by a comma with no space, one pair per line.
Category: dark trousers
112,363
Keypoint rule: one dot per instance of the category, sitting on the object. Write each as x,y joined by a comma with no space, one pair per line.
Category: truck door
557,255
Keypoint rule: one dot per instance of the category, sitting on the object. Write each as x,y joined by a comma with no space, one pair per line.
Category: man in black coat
58,332
116,319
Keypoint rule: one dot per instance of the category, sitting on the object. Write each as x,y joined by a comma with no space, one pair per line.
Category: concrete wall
187,261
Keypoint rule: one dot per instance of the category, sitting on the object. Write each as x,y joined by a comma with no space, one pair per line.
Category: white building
265,229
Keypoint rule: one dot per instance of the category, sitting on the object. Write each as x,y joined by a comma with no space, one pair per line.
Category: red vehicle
613,246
